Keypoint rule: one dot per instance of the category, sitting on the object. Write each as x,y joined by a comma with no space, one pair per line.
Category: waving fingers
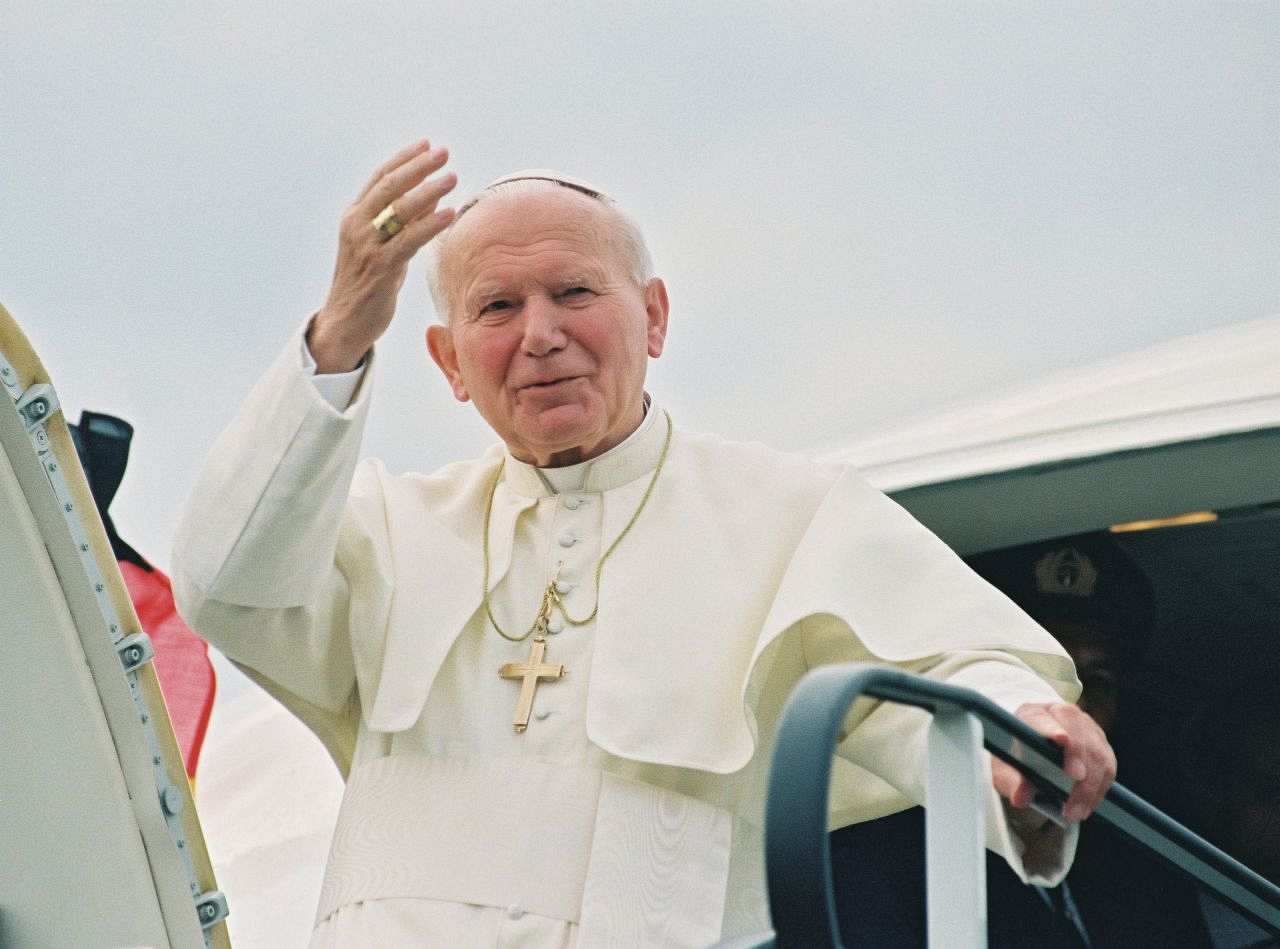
395,161
396,214
394,183
418,210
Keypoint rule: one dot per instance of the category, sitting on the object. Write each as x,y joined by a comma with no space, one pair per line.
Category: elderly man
552,674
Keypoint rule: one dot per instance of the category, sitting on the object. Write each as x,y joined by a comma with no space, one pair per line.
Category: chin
561,428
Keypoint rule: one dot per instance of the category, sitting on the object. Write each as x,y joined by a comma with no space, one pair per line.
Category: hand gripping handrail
798,855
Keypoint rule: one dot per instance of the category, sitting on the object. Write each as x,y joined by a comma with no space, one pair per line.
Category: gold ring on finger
387,223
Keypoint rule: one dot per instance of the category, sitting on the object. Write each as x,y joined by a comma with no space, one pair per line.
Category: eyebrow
576,278
573,278
488,291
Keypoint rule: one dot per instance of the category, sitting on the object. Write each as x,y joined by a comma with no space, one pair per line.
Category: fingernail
1076,771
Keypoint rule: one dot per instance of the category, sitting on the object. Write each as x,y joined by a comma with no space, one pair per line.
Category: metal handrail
797,851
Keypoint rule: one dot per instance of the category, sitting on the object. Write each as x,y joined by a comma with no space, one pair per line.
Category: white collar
633,457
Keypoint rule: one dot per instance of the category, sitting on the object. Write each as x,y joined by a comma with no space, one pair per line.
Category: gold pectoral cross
534,669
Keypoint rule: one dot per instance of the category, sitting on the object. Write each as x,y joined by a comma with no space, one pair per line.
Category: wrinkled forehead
511,221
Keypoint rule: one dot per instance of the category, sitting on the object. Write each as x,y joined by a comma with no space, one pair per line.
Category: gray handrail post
955,808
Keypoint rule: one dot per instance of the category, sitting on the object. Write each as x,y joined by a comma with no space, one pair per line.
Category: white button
514,912
564,586
567,539
554,626
572,503
541,715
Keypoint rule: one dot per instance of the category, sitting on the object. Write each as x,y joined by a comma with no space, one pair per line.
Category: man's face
548,333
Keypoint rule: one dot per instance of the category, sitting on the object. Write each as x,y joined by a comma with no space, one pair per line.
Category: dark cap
1085,579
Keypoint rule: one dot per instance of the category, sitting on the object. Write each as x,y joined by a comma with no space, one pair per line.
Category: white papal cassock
629,813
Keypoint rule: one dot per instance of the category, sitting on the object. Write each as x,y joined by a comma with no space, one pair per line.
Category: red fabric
181,662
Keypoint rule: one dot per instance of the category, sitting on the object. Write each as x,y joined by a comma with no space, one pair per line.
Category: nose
543,331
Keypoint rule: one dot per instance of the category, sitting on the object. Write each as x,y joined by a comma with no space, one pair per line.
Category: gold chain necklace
551,595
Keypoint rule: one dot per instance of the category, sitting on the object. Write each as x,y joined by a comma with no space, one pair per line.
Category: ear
444,355
656,308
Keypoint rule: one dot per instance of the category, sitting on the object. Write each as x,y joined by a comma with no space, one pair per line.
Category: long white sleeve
257,565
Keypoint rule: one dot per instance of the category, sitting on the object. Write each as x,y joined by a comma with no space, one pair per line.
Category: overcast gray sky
862,210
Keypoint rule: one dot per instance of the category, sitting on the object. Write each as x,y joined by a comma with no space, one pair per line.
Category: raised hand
372,263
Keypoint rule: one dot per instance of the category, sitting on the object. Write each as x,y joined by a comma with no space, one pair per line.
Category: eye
494,306
577,293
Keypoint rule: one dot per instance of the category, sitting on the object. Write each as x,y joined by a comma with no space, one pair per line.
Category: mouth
549,385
